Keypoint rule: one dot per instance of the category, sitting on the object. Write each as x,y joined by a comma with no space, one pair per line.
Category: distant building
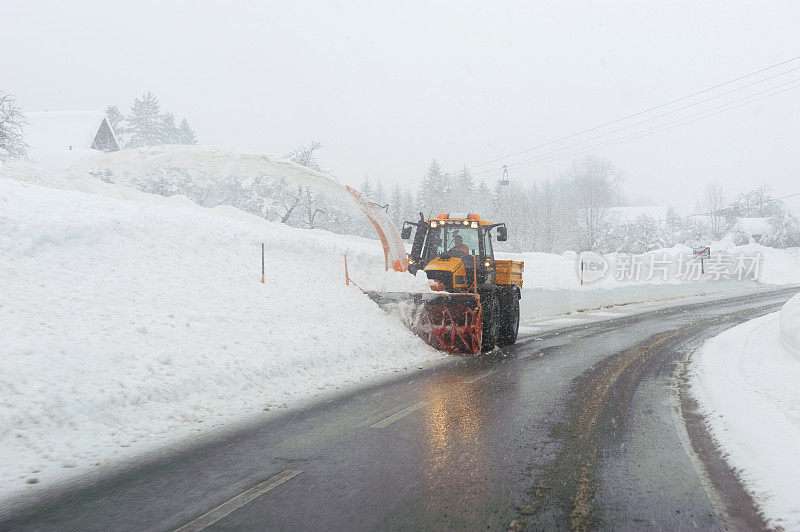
58,138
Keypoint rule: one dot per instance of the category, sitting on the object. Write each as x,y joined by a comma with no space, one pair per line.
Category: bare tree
12,129
311,206
714,203
594,181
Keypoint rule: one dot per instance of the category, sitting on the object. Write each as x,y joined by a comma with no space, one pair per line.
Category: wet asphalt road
583,427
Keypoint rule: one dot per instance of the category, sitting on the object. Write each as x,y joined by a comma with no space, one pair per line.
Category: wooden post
346,274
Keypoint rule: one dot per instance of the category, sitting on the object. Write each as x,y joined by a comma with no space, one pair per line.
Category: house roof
58,130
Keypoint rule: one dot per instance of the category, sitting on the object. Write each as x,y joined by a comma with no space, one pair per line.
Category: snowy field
747,381
132,322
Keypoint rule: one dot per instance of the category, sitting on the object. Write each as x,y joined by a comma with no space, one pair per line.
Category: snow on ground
747,381
131,321
128,325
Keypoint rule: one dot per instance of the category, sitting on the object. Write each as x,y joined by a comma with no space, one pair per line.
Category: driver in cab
459,248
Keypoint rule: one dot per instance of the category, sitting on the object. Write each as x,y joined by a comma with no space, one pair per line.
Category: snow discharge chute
393,249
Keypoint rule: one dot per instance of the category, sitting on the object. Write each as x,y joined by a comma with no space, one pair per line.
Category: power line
519,163
656,129
636,114
543,159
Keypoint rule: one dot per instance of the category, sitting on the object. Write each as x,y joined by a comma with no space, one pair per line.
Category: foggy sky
386,87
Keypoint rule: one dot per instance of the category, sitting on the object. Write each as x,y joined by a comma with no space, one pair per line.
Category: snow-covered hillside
130,324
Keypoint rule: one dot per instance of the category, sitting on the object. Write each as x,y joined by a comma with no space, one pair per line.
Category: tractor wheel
509,318
491,320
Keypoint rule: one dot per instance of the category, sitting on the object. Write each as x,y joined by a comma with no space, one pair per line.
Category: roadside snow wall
790,326
129,325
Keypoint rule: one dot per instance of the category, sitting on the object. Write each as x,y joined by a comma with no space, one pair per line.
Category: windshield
458,241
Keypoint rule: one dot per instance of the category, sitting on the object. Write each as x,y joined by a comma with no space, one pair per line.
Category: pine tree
169,131
464,191
144,122
380,194
186,133
432,190
396,205
115,120
366,188
408,211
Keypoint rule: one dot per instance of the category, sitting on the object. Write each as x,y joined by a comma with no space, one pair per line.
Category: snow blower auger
475,303
449,322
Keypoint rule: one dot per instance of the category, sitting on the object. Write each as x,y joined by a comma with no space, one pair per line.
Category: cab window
443,240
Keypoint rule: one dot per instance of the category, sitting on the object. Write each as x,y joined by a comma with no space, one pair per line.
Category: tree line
146,125
578,209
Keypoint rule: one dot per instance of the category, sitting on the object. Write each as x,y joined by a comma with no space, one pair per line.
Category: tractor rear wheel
490,306
509,317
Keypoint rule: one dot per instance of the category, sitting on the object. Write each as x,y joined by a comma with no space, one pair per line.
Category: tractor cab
454,249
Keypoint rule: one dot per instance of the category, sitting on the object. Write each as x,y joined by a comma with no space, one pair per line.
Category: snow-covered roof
62,130
755,226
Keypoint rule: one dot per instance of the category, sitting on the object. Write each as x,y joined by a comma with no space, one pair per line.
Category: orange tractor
474,305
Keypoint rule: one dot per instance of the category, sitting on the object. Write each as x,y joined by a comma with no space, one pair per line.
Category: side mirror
502,233
406,234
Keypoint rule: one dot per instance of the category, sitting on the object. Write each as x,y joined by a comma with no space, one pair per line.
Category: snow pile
748,386
134,324
790,326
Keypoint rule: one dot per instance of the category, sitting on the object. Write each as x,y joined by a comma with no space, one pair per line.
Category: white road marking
401,414
481,376
237,502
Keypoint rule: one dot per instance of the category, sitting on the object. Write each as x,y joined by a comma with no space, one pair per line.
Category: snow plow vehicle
474,305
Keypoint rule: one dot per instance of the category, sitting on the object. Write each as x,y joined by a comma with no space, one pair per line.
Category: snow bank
552,282
748,386
790,326
129,325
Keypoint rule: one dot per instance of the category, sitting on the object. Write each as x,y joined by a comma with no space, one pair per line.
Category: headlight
433,224
411,261
474,225
466,222
486,263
